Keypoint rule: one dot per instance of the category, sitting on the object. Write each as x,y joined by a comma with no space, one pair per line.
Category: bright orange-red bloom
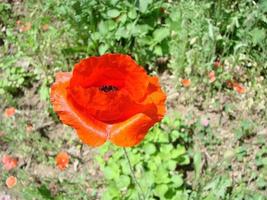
9,112
11,181
9,162
62,160
108,97
186,82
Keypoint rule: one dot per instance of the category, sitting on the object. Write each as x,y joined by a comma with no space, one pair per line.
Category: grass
217,142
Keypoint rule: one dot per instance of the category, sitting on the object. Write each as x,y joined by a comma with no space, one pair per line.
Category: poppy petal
156,97
90,131
111,69
130,132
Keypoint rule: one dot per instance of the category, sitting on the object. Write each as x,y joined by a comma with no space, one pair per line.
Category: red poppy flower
108,97
9,112
9,162
11,181
62,160
212,76
239,88
186,82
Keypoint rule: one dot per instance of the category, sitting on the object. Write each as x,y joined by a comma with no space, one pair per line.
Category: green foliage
233,32
158,165
30,56
14,76
36,149
137,28
245,130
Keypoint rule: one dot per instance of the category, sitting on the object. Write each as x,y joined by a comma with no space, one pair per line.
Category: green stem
134,177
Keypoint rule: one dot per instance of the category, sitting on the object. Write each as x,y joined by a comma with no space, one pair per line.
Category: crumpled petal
157,97
111,69
130,132
90,131
122,115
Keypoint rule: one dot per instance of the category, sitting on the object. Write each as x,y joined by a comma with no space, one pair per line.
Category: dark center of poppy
108,88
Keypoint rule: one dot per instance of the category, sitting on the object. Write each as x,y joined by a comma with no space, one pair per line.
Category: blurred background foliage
175,39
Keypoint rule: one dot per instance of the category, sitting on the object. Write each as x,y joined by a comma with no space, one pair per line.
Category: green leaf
177,180
161,190
143,4
149,148
163,137
111,192
160,34
180,150
171,164
113,13
125,167
174,135
44,92
210,31
111,172
103,49
141,30
114,2
197,164
147,180
123,181
132,13
184,160
166,148
158,50
162,175
258,35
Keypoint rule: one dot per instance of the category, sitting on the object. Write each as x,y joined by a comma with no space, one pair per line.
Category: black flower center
108,88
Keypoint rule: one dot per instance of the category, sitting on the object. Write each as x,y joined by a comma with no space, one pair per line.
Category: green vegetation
214,149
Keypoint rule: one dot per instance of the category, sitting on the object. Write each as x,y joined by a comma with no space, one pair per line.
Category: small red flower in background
11,181
9,162
239,88
236,86
9,112
109,97
186,82
62,160
212,76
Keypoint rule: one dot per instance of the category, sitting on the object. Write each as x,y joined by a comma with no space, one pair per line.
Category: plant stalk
142,195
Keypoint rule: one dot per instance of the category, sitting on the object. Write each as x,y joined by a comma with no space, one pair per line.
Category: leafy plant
158,165
245,130
137,28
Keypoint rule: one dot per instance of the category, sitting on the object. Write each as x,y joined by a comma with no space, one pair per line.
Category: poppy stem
134,177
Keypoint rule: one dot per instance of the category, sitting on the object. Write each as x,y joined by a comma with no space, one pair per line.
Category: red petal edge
130,132
90,131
